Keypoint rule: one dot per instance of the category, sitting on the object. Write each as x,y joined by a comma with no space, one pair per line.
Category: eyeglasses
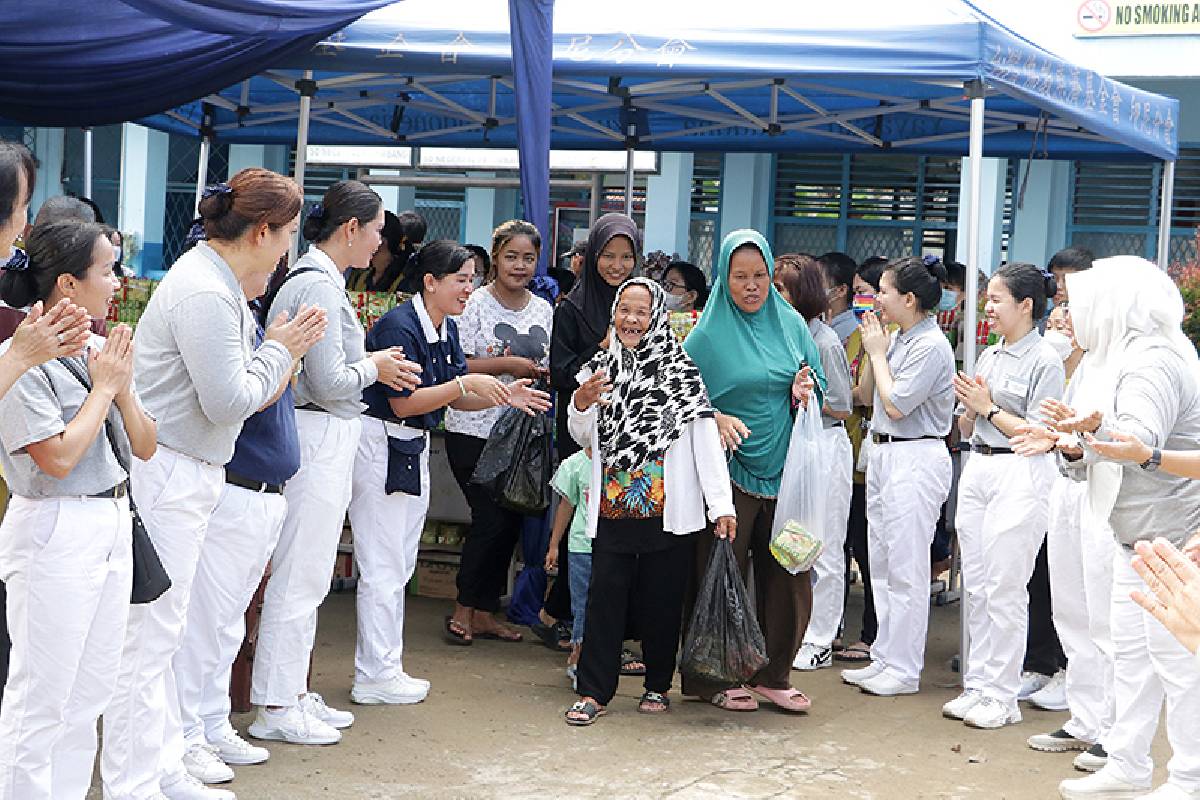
673,287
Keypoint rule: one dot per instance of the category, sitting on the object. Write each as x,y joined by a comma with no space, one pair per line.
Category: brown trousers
783,601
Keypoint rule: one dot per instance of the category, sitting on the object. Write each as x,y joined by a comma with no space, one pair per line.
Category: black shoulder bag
150,579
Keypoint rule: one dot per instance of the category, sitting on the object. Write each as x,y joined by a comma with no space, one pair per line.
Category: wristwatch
995,410
1152,463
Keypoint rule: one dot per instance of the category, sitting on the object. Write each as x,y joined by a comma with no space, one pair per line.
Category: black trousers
856,548
488,549
1043,650
652,585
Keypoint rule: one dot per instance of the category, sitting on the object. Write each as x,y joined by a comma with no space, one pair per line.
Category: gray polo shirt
835,366
336,369
844,324
1020,377
38,407
1158,401
196,368
922,366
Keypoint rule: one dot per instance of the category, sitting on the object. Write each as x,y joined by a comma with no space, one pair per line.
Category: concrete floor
492,728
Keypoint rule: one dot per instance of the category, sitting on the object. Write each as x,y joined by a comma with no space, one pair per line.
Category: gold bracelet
462,387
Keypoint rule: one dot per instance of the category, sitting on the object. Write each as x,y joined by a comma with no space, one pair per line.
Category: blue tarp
82,62
532,25
873,75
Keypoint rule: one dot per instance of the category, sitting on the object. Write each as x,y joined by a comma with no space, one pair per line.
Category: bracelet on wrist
462,387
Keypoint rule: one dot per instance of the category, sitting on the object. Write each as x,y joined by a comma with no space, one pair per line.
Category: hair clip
317,211
17,262
929,260
216,188
195,234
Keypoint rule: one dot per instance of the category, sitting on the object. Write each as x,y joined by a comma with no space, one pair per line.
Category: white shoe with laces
1030,683
1101,786
813,657
202,763
396,692
424,684
293,725
959,706
887,685
989,714
855,677
1052,696
188,788
312,703
235,750
1057,742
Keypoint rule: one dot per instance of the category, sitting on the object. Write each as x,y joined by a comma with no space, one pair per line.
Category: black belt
987,450
115,493
837,423
311,407
885,438
233,479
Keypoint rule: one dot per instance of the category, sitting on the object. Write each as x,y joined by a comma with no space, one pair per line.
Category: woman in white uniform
200,377
65,552
804,283
908,471
345,231
1003,503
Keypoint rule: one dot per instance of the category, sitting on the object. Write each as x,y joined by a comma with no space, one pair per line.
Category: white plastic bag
797,532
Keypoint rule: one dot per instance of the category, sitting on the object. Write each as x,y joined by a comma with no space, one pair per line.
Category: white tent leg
1164,215
301,153
202,172
596,196
970,307
629,154
87,163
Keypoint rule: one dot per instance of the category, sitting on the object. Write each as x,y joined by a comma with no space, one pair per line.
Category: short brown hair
252,197
804,278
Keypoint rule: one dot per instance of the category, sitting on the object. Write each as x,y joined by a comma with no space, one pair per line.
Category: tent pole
201,173
307,90
971,307
594,202
87,163
1164,215
629,153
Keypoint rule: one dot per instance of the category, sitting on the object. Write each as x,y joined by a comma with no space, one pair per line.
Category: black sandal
549,634
628,659
654,697
453,633
588,709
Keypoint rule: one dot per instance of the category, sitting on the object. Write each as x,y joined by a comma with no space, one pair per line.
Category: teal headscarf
748,362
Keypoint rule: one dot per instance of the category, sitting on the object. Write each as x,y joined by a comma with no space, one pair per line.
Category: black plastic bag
515,465
724,643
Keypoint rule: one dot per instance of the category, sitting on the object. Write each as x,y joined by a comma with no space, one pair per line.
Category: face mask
1061,344
863,303
949,301
673,302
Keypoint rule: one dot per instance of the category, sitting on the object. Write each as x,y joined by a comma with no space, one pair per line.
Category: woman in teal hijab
758,361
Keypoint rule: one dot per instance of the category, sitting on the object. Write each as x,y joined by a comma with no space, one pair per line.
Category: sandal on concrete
454,633
736,699
631,664
654,698
586,712
788,699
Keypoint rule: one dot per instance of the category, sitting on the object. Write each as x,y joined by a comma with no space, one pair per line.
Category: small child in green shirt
571,481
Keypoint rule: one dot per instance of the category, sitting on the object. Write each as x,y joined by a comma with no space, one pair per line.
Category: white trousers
1002,512
907,482
829,573
1151,665
302,565
241,535
1080,553
66,564
143,734
387,534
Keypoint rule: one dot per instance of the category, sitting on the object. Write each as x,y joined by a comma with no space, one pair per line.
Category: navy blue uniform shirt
268,448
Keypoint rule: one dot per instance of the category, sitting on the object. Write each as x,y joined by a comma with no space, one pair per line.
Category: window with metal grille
1114,194
706,183
808,185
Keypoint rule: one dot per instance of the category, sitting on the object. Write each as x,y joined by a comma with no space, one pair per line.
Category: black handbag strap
81,375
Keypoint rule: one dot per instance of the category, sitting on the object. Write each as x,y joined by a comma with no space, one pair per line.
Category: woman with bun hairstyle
200,377
65,551
908,471
345,231
1003,499
391,471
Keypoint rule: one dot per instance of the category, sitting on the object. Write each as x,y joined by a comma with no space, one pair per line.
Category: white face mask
673,302
1060,342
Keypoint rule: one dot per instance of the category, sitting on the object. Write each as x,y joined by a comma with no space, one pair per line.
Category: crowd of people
250,414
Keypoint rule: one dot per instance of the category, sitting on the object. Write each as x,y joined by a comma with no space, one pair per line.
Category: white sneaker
1091,760
959,706
855,677
202,763
1030,683
188,788
394,692
812,657
233,749
989,714
1057,742
1103,785
424,684
312,703
1052,696
1170,791
887,685
292,725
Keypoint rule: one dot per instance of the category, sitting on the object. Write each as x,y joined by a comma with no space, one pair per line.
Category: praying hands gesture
973,393
874,336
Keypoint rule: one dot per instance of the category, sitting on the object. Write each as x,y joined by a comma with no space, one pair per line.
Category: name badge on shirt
1013,385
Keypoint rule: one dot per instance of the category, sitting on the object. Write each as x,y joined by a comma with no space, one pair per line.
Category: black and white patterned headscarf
657,390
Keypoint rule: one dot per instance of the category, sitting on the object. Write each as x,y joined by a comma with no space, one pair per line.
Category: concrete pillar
143,196
49,146
1040,223
479,208
669,204
747,185
991,223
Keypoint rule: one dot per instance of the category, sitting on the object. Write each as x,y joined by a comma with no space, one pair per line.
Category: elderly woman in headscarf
657,465
758,360
1139,376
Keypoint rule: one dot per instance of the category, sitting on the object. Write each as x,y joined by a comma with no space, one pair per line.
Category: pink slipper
788,699
736,699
